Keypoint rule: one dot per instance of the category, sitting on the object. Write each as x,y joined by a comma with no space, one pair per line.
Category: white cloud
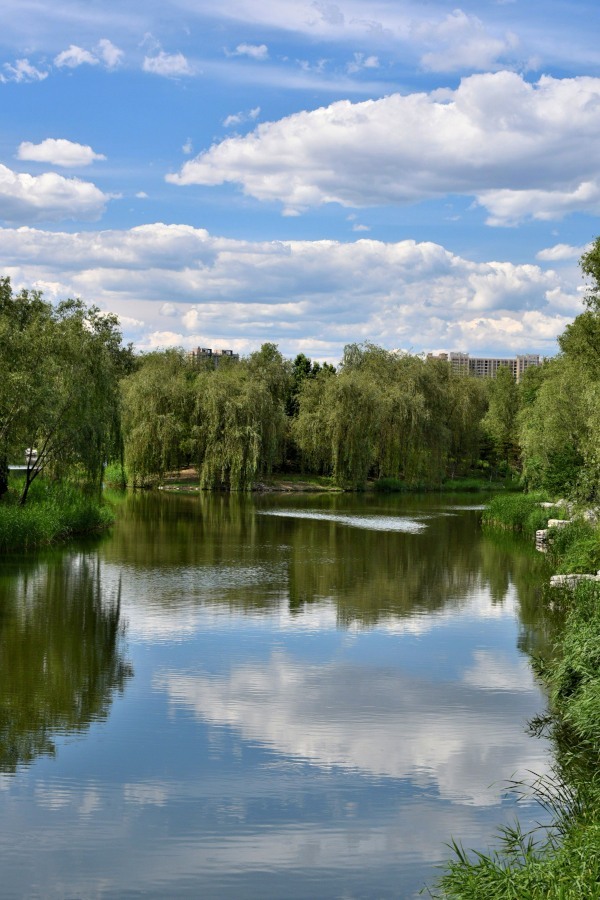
21,71
254,51
361,61
460,41
560,252
239,118
75,56
111,55
520,149
142,195
49,197
234,119
58,152
105,53
309,296
188,147
170,65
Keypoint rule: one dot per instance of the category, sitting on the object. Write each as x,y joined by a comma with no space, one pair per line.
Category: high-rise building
487,366
214,356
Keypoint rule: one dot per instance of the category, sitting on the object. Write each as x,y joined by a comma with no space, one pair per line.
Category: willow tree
337,423
157,411
410,435
465,405
239,423
310,422
500,420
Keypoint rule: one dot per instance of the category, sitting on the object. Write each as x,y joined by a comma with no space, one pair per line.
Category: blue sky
423,176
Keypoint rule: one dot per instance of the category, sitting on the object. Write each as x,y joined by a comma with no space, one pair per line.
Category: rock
558,523
571,581
591,516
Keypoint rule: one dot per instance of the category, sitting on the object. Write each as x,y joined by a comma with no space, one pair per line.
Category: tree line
379,414
71,390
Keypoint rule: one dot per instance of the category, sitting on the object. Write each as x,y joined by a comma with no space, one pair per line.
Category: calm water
277,697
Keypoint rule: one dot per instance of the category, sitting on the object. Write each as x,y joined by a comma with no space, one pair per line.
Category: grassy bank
461,484
519,512
563,862
53,513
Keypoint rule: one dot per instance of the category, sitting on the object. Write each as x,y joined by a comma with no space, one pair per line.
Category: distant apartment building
201,354
487,366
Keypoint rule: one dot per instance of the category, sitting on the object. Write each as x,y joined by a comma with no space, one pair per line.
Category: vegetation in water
54,512
519,512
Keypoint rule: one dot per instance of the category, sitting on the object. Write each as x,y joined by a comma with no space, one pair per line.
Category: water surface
298,696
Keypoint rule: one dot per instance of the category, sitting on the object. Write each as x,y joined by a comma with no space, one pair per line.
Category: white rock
571,581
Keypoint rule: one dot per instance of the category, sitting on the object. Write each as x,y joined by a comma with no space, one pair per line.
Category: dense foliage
380,415
60,368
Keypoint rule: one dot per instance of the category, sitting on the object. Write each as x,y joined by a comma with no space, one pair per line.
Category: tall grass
575,548
115,475
564,862
52,514
519,512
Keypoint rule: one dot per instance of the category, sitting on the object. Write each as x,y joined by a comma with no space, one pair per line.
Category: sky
423,176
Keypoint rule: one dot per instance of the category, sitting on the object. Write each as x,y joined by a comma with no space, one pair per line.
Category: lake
280,696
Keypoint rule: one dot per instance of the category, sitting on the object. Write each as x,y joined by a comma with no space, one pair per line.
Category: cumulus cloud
309,296
21,71
74,57
58,152
105,53
461,41
520,149
111,55
560,252
170,65
26,199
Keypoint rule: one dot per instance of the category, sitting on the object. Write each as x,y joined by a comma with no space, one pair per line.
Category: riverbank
53,514
563,862
186,481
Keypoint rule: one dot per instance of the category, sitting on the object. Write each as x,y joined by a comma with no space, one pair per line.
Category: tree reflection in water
60,653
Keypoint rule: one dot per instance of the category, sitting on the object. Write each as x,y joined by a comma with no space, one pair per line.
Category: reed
54,513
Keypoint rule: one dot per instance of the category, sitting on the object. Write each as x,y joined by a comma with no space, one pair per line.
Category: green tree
59,386
158,403
239,420
500,421
553,429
